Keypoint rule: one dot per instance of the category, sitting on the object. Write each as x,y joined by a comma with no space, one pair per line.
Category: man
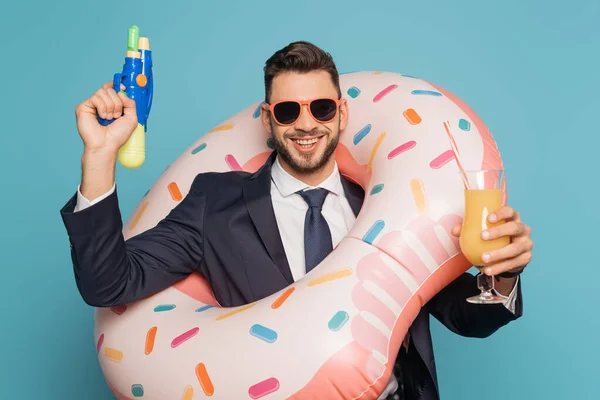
244,232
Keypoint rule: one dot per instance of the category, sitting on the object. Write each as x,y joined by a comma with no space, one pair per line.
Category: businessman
245,233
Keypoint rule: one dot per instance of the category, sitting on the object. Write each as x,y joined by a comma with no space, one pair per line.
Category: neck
310,178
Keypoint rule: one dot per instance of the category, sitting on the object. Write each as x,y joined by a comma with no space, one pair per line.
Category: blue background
530,69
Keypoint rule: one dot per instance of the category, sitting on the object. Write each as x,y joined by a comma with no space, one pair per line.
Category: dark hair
300,57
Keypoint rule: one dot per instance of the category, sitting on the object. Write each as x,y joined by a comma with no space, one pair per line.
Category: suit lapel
257,195
354,194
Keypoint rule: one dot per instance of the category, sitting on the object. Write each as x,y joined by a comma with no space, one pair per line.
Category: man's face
307,145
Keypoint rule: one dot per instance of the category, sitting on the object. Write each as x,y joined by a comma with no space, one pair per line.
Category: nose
305,122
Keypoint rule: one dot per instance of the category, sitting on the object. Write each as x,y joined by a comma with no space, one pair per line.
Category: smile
306,144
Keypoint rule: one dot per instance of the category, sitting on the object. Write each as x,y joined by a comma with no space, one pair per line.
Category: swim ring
357,305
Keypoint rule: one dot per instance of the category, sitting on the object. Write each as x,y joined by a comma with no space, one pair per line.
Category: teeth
306,142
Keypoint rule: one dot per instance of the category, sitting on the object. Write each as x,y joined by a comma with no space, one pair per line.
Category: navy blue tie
317,237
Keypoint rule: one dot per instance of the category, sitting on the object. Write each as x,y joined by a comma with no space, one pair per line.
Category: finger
456,230
507,252
504,212
527,230
509,265
108,102
128,104
515,217
111,85
98,103
107,85
118,109
508,229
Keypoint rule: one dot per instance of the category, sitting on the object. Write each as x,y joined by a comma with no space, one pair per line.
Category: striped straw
456,155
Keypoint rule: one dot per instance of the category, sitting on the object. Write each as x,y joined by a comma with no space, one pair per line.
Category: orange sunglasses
287,112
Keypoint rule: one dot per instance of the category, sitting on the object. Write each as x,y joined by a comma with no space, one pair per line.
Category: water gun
139,84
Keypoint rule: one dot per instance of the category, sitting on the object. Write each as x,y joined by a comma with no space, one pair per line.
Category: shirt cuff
510,300
391,387
83,202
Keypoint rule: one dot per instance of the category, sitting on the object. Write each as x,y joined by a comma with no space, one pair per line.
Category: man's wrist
511,274
98,173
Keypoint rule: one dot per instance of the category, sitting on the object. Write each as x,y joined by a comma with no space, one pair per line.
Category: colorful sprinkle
464,124
113,355
256,113
375,148
383,93
409,76
338,321
184,337
150,338
119,310
377,72
401,149
199,148
442,159
204,308
99,344
164,307
412,117
146,194
232,162
281,299
174,191
263,388
425,93
263,333
220,128
353,92
376,189
373,231
236,311
270,143
138,216
418,192
331,277
204,379
360,135
188,393
137,390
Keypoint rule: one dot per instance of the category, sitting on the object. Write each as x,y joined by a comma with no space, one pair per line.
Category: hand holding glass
482,198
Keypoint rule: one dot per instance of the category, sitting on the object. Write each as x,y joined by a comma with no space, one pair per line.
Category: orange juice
478,205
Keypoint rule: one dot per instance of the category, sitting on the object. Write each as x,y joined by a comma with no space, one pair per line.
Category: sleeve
451,308
83,202
110,271
511,299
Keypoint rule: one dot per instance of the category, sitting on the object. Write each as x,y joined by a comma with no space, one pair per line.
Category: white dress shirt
290,211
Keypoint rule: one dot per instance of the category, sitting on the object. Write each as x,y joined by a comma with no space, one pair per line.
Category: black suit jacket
225,229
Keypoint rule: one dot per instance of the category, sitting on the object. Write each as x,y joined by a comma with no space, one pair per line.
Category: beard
306,163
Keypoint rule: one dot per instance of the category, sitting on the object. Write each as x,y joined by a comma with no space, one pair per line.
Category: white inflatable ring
357,304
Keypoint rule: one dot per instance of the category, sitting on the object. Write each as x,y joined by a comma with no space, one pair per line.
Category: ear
265,117
343,114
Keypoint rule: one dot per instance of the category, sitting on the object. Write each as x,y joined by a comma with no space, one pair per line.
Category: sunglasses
287,112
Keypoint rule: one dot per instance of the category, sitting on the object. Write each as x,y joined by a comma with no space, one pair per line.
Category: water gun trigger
117,81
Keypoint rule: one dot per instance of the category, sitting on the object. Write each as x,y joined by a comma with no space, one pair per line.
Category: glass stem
485,283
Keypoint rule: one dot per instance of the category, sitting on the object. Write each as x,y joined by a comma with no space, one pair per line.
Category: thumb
456,230
128,104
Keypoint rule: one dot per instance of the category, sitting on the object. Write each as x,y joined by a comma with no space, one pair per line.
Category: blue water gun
139,84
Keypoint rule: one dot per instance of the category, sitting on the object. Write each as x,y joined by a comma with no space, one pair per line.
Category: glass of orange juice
482,197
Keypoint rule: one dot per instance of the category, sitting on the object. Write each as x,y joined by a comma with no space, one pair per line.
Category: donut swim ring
357,305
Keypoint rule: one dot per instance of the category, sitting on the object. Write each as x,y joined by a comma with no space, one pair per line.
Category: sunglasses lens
323,109
286,112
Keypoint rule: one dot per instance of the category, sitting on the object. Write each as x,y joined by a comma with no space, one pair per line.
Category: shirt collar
287,184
